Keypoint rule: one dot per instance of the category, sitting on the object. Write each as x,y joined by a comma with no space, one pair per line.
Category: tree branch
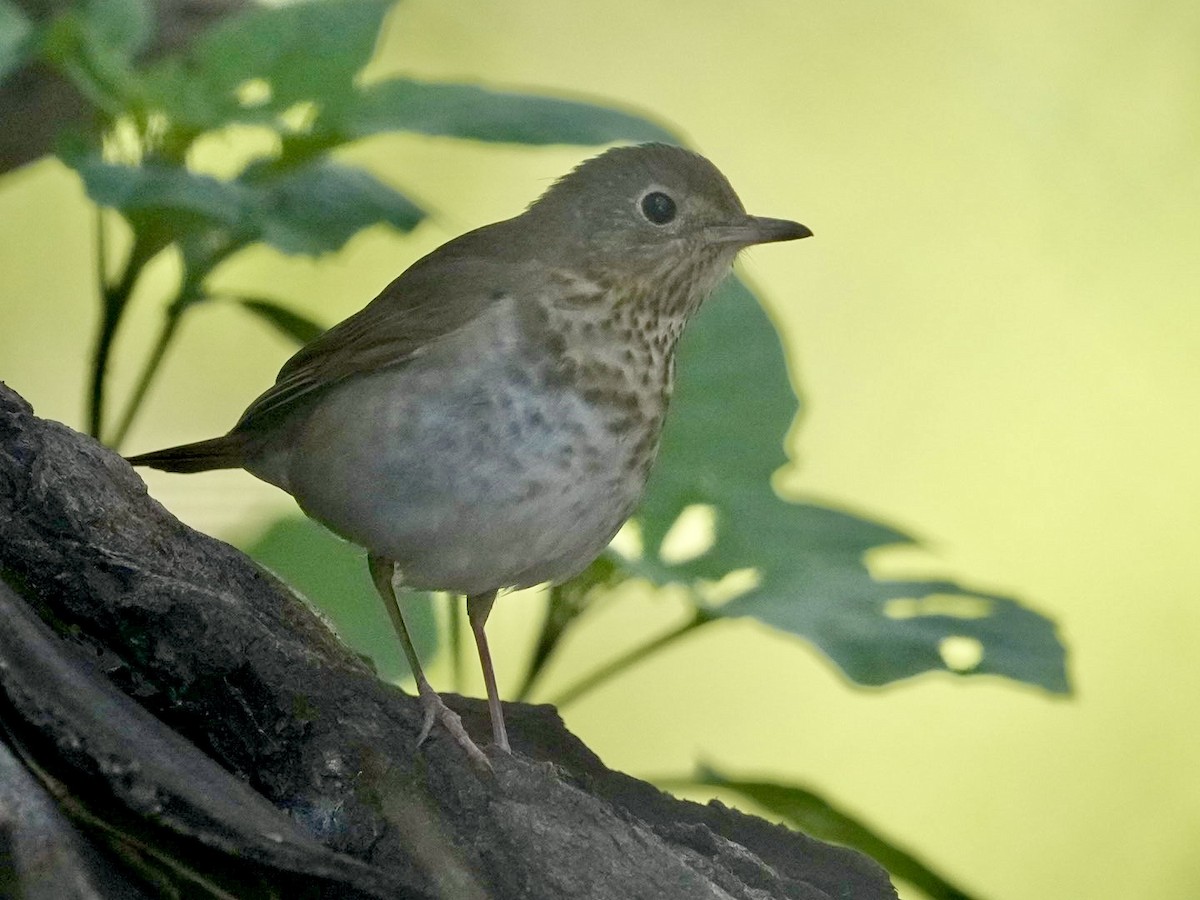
254,723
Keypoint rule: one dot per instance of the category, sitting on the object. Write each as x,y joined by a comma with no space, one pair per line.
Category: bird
488,422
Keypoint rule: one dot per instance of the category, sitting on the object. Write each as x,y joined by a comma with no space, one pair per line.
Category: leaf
258,66
165,190
816,816
332,574
482,114
122,25
253,67
89,48
310,210
15,31
318,207
289,324
723,442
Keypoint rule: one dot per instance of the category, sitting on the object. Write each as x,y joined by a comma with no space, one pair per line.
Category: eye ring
658,208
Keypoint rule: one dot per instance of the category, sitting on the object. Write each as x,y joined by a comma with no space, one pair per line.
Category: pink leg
478,608
382,571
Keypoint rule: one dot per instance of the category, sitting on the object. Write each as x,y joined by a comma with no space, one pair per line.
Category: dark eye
658,207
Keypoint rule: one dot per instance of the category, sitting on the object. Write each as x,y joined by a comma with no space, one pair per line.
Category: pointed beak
757,230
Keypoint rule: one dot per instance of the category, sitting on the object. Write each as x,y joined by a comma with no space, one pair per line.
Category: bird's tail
225,452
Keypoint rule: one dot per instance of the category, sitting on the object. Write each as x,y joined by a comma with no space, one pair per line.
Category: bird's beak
757,230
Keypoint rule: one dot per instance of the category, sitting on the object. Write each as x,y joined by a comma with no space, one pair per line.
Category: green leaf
318,207
89,51
94,42
290,324
332,574
15,32
121,25
479,113
255,66
165,190
815,816
293,68
311,210
723,442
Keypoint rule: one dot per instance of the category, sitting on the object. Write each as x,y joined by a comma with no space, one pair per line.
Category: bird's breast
496,459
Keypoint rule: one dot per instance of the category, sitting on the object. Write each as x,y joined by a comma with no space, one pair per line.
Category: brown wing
435,297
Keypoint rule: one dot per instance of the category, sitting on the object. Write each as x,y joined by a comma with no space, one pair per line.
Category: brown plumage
490,419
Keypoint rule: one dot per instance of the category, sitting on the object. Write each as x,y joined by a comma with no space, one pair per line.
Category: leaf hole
628,541
253,92
961,653
691,535
299,118
729,586
123,142
958,606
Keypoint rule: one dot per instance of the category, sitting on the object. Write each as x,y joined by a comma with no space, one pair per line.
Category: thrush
490,419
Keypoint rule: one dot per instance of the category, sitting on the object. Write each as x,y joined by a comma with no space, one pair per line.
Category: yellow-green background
996,329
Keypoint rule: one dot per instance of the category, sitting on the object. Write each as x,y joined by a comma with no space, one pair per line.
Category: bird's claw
437,711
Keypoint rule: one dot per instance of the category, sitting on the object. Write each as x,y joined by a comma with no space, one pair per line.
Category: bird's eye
658,207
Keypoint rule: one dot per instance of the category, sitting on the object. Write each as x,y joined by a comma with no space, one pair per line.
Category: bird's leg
382,571
478,608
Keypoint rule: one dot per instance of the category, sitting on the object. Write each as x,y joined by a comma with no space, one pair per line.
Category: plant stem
113,300
637,654
547,641
565,605
190,292
166,333
95,410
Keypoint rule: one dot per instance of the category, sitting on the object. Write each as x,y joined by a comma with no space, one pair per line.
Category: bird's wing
436,297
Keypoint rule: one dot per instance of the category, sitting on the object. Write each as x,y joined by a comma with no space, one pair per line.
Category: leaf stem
547,641
636,655
113,300
95,410
165,335
190,292
565,605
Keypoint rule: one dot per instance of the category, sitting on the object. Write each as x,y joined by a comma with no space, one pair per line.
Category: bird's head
649,210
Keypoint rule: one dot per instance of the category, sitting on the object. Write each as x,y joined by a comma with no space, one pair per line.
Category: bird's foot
437,711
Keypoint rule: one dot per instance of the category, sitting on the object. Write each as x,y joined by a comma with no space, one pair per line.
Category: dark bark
188,717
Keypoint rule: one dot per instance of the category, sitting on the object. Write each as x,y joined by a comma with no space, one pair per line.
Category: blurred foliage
795,566
809,812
